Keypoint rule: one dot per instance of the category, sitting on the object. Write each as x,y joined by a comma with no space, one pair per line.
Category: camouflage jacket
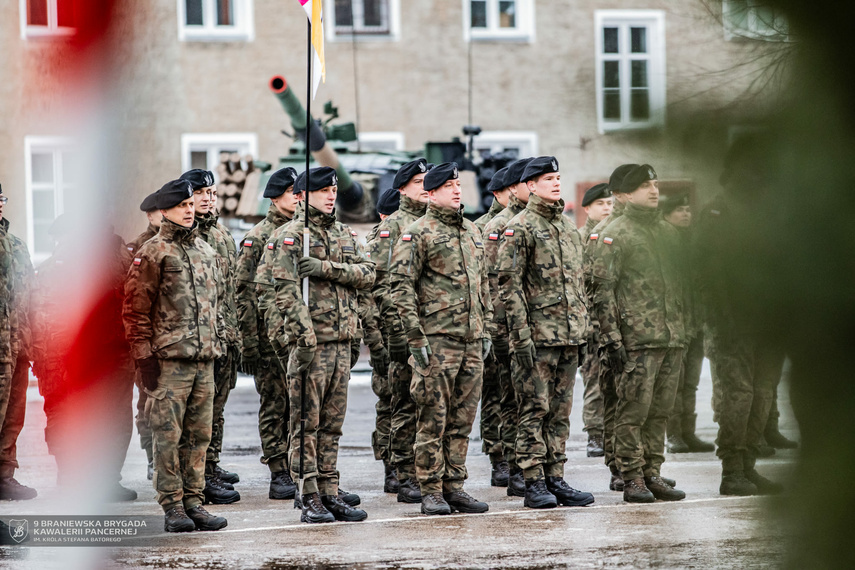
493,233
137,242
332,312
172,297
221,240
252,247
495,208
541,279
586,230
382,242
8,317
22,284
638,282
439,278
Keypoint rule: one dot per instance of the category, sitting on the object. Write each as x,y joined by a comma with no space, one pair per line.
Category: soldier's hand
355,345
421,354
616,357
310,267
524,354
302,358
501,347
149,372
486,345
380,361
249,361
398,349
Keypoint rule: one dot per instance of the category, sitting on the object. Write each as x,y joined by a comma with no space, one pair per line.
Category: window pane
65,13
611,74
372,12
42,241
611,105
640,105
507,14
639,74
42,163
638,39
225,13
37,13
610,40
479,13
194,12
70,168
199,159
43,205
344,13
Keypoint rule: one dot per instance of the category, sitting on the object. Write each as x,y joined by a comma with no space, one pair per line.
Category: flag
315,13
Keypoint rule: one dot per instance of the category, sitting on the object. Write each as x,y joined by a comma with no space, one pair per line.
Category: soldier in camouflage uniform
382,246
259,358
508,405
319,337
173,321
218,483
638,288
15,262
439,284
541,281
154,220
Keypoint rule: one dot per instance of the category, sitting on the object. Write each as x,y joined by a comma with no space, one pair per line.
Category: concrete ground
703,531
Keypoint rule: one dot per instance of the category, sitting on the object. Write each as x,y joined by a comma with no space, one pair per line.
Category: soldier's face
681,216
324,199
547,186
154,218
599,210
203,198
646,195
415,189
520,190
502,196
287,202
182,214
448,195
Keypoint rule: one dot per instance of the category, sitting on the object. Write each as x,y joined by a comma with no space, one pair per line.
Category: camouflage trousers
646,390
402,422
498,410
608,391
545,397
181,412
592,408
682,420
13,422
380,438
273,413
142,420
225,378
326,403
446,395
748,371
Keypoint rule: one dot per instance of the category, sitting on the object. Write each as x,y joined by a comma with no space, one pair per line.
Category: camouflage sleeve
511,264
288,295
359,274
404,275
489,323
381,249
141,290
605,271
369,319
245,291
26,284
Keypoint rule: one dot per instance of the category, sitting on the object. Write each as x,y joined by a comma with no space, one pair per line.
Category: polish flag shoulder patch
367,254
407,237
288,241
608,241
137,261
509,232
384,233
493,237
130,248
353,233
271,245
247,243
594,237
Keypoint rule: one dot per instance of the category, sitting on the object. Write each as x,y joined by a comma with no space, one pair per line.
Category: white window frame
242,30
524,31
526,141
385,137
52,30
54,145
756,29
393,35
656,72
213,143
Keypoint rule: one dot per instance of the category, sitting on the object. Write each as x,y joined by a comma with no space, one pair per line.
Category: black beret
515,171
636,177
440,174
497,182
670,203
198,178
279,182
148,203
595,193
618,175
319,178
406,172
173,193
389,202
430,166
538,166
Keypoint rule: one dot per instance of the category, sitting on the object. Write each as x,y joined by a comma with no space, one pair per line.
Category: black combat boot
616,482
764,486
282,486
567,495
662,490
226,476
464,502
176,520
736,484
764,449
537,496
390,483
119,494
777,440
409,492
314,510
635,491
205,520
434,504
351,499
516,483
500,474
11,490
341,510
695,445
672,482
595,444
676,444
217,494
149,472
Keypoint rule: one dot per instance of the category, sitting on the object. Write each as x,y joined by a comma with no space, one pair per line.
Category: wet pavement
703,531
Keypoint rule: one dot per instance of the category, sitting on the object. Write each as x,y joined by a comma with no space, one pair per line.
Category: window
49,17
630,74
51,170
215,20
519,143
363,19
202,150
498,20
753,19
